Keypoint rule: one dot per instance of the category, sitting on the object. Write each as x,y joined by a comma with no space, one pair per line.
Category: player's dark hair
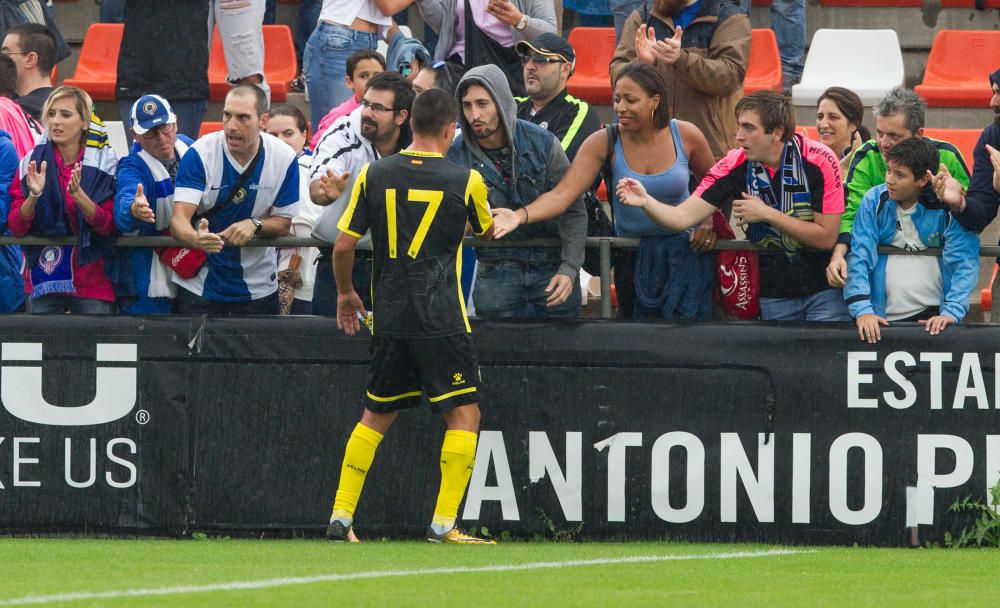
358,56
38,39
433,110
917,154
402,90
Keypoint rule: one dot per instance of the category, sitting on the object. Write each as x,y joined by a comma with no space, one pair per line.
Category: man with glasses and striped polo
548,62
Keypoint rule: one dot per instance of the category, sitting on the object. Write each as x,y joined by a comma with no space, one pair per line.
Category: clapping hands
648,49
36,178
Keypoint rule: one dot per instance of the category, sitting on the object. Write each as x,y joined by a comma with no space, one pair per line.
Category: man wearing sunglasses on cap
548,62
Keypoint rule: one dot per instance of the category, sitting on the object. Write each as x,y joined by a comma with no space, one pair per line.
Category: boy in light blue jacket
904,213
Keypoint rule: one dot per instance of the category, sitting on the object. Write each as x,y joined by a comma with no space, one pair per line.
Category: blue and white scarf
161,284
795,200
50,267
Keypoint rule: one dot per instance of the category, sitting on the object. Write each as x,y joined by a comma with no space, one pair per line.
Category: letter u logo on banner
21,387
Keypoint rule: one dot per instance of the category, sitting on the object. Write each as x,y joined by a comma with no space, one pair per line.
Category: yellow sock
358,458
458,455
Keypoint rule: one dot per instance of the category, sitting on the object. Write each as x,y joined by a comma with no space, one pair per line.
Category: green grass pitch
301,573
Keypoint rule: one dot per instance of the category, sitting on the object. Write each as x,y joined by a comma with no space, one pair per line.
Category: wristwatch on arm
257,225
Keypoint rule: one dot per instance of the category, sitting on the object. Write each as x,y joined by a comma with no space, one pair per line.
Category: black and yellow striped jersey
416,205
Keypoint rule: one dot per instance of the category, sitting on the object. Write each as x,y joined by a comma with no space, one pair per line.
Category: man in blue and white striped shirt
236,279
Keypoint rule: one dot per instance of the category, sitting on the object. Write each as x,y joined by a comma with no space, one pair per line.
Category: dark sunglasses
540,59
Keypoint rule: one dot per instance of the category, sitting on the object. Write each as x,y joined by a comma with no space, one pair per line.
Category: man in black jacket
176,65
548,62
976,208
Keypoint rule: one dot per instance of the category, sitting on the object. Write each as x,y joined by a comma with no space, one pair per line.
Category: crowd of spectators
685,153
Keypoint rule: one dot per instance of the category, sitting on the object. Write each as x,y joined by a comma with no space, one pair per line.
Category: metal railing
603,244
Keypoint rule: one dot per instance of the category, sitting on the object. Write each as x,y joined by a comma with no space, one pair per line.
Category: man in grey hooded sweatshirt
519,161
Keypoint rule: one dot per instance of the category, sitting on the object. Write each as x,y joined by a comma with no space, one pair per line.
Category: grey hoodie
538,163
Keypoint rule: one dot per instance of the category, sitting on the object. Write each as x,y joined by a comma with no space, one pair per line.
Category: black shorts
444,369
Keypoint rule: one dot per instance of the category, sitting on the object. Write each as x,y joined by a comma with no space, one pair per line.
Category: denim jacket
538,163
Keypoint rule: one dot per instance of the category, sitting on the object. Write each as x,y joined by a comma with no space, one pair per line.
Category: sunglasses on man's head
540,59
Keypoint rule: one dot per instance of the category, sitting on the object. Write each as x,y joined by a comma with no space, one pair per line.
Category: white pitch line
325,578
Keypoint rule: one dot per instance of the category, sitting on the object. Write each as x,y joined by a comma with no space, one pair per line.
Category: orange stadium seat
958,68
209,127
764,71
279,63
594,47
963,139
97,66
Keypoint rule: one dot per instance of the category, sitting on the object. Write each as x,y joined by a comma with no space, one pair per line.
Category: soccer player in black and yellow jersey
417,205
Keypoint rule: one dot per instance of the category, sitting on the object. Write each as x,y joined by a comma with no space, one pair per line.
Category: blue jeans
189,114
56,304
308,18
621,10
325,65
324,302
517,289
788,20
827,305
